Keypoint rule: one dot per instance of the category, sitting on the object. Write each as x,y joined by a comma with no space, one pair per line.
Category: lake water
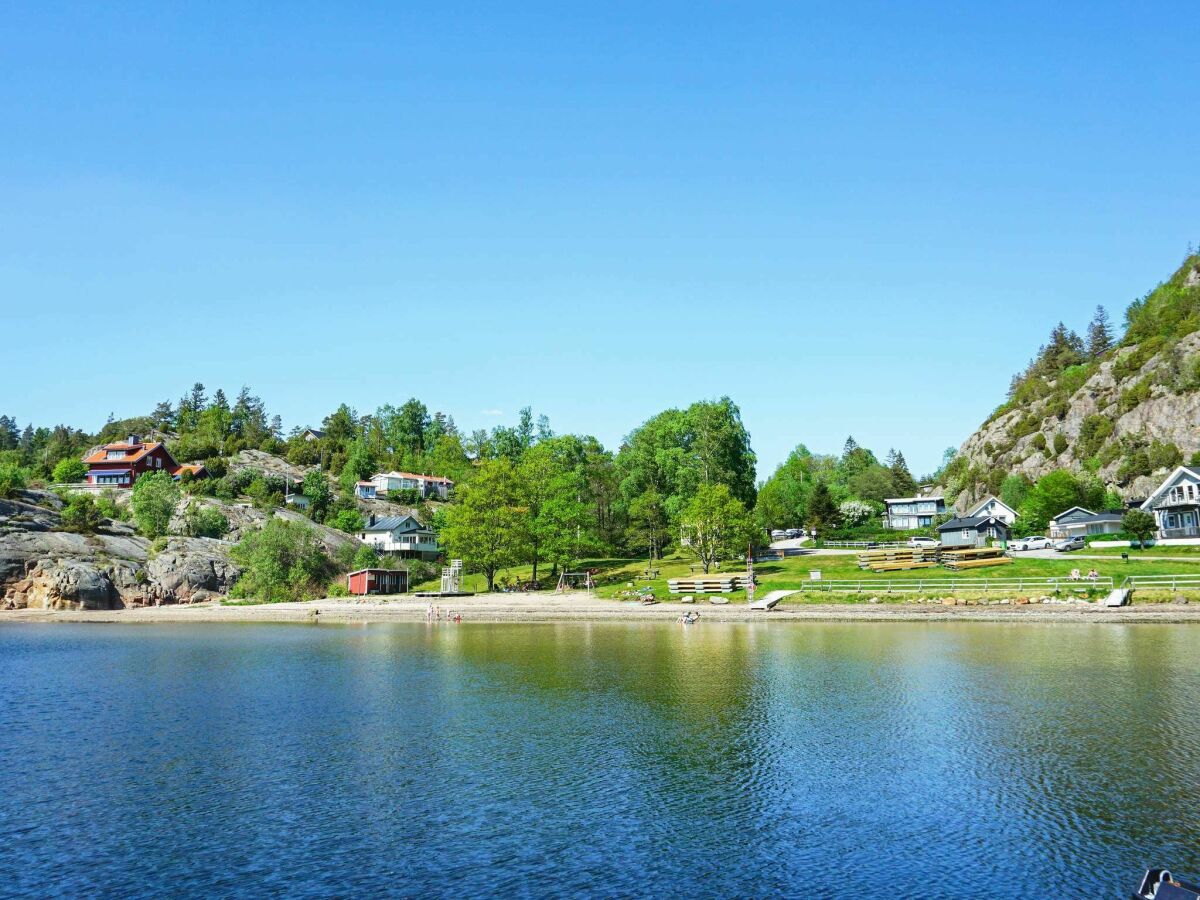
907,760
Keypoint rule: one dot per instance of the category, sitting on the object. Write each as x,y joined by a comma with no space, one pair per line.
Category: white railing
1163,582
865,545
944,585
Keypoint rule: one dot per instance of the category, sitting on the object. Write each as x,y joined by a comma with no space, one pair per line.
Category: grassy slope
793,573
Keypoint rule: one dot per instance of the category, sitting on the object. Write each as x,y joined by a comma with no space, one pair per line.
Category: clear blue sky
851,218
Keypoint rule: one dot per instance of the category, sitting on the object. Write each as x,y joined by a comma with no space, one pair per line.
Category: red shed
378,581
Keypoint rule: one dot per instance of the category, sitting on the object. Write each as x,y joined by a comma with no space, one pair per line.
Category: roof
364,484
971,522
361,571
1170,479
990,498
1106,516
194,468
914,499
437,478
390,523
100,455
315,431
1067,512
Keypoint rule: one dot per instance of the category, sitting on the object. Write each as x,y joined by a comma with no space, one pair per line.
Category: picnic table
649,575
695,567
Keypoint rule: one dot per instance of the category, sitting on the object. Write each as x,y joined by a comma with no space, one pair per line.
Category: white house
427,485
992,508
1176,504
365,490
912,512
401,535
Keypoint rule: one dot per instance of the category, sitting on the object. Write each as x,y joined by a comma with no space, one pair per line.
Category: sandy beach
582,608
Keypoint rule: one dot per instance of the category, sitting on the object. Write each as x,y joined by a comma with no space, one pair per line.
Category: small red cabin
378,581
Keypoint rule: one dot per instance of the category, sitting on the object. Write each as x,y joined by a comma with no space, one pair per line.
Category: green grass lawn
1184,552
615,576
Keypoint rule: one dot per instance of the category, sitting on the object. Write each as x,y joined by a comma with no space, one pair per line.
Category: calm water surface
913,760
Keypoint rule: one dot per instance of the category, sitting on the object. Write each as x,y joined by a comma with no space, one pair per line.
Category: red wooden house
121,464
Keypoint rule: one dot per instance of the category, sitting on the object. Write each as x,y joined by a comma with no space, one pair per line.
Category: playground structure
451,582
570,581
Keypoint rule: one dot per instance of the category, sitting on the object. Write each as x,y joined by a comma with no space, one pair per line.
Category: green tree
873,483
715,525
823,511
70,470
279,562
487,526
81,515
550,493
366,557
153,500
783,500
347,520
648,522
1014,489
316,489
1140,524
903,482
360,465
1099,334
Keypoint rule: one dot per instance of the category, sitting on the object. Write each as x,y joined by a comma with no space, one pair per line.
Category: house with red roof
120,464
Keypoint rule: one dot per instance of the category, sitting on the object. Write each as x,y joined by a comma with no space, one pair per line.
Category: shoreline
542,609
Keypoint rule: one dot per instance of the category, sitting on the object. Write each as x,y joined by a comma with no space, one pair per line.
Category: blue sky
851,218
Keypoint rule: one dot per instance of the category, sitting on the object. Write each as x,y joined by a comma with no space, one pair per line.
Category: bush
1093,432
153,500
1060,444
12,479
280,562
1163,455
365,558
69,470
110,509
1135,396
81,515
347,520
205,521
337,588
1038,442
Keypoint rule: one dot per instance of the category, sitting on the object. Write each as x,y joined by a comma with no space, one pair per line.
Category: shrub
1135,464
81,515
347,520
281,561
337,588
1093,432
1038,442
1162,455
12,479
1060,444
69,470
1133,397
110,509
154,499
205,521
365,558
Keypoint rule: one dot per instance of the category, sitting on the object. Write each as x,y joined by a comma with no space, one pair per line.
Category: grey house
973,531
1079,522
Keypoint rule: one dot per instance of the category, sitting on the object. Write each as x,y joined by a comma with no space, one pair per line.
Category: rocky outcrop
43,567
268,464
190,570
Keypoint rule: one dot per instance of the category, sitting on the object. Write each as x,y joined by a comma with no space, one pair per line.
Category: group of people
433,612
1093,575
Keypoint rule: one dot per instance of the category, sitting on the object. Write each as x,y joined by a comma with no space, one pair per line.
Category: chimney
372,522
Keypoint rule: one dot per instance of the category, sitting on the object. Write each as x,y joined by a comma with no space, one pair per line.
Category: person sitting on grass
1093,575
1075,576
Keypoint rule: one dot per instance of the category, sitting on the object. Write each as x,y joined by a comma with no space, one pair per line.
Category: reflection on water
910,759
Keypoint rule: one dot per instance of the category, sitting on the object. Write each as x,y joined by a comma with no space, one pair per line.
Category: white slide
769,600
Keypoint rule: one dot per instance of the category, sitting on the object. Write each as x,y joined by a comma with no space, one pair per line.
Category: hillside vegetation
1122,408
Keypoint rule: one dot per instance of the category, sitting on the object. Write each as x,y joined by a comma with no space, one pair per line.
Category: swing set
570,581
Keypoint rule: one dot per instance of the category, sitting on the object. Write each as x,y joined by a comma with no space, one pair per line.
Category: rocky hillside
1126,414
42,566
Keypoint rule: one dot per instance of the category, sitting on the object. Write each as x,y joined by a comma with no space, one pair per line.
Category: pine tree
850,446
902,477
1099,334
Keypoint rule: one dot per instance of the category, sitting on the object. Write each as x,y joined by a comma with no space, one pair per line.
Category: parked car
1038,542
778,535
1071,543
923,543
793,533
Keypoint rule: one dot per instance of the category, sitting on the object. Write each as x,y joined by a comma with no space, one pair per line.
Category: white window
966,534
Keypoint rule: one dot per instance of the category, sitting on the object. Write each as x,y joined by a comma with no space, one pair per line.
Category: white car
923,543
1031,543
